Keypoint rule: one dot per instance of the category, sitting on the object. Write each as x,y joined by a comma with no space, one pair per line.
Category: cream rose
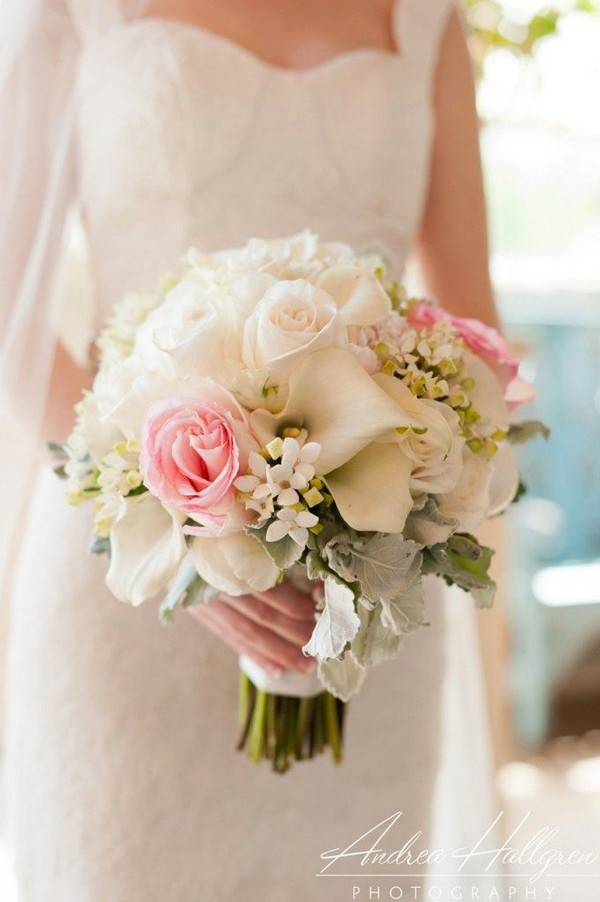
195,331
293,319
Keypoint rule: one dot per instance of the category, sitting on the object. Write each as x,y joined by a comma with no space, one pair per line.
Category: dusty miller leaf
337,623
384,565
187,589
342,677
462,561
428,526
284,553
374,642
100,545
405,613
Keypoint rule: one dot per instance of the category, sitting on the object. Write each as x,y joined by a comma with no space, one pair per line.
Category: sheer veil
40,41
39,47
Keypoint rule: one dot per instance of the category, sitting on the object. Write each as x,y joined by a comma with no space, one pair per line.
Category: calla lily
234,564
358,294
426,414
357,489
146,548
339,404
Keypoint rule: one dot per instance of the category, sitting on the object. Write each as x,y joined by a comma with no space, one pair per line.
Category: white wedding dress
123,781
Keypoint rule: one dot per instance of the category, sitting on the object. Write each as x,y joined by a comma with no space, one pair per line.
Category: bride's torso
184,137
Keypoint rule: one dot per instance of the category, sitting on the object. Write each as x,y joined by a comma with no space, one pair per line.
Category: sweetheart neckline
332,64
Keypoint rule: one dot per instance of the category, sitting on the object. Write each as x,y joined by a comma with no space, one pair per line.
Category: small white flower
293,523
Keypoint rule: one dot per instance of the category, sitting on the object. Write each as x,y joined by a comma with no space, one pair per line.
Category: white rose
195,331
146,548
469,501
235,564
485,488
293,319
358,294
436,451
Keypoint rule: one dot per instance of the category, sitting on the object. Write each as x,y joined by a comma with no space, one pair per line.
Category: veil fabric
40,301
40,41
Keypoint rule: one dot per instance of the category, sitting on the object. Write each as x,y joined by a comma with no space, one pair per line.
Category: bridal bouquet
280,412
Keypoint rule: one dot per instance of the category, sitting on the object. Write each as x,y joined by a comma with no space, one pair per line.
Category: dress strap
418,28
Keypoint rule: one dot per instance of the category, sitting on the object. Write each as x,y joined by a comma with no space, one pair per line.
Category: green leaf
385,565
523,432
100,545
284,553
463,562
521,490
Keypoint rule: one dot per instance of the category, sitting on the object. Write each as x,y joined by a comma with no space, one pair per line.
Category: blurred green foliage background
496,24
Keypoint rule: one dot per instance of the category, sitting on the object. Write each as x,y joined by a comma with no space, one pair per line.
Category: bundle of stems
283,729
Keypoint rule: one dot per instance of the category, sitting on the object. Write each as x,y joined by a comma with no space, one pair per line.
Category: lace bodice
168,135
186,138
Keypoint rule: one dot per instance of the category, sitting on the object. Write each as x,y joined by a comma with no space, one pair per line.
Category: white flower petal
300,481
262,491
235,564
306,518
310,452
300,535
487,395
505,479
351,413
147,546
372,490
246,483
287,514
288,497
277,530
257,464
359,295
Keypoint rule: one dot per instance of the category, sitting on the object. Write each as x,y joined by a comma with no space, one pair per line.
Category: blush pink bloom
190,458
486,343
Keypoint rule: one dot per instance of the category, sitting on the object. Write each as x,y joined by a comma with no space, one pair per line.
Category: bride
164,124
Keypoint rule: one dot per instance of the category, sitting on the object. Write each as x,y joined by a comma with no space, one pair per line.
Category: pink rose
192,452
484,341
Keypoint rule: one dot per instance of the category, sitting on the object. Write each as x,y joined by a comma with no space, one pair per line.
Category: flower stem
256,747
282,728
333,726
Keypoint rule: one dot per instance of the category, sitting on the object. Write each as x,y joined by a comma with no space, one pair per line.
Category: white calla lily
341,407
358,293
234,564
146,548
372,490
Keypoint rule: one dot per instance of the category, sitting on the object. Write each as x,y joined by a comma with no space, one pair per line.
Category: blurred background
538,67
538,70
